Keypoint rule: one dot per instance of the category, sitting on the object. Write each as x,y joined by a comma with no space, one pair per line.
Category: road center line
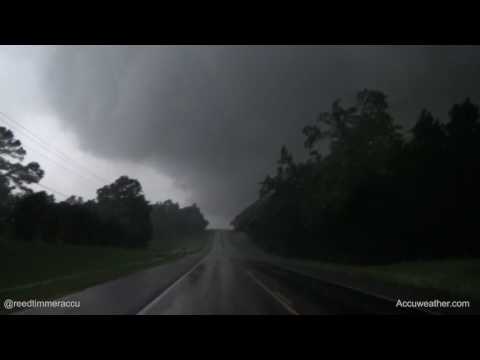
273,294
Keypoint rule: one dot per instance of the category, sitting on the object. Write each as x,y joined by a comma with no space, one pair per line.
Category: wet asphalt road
218,285
231,277
236,279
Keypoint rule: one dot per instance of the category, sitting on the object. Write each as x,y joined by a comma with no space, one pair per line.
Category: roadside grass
46,271
459,277
180,244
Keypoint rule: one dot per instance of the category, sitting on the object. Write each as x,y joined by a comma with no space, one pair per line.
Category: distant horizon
204,124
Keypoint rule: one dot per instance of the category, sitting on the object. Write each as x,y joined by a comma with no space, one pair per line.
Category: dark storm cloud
214,118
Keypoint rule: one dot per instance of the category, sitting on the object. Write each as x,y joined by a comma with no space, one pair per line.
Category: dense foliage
119,216
171,222
379,194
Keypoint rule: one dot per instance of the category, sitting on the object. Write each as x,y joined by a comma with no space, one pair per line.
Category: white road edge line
352,288
155,301
273,294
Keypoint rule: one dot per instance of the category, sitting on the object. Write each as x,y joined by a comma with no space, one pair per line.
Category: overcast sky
203,124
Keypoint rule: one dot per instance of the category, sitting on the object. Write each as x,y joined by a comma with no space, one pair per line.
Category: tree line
119,216
380,193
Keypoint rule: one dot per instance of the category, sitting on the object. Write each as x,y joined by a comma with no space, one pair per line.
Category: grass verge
45,271
459,277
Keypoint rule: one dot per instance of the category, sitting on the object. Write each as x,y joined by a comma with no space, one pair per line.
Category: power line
61,157
54,161
44,144
37,151
52,190
57,162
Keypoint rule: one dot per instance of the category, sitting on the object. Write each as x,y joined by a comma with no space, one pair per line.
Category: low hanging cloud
214,117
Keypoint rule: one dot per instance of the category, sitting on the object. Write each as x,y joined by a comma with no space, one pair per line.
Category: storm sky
203,124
